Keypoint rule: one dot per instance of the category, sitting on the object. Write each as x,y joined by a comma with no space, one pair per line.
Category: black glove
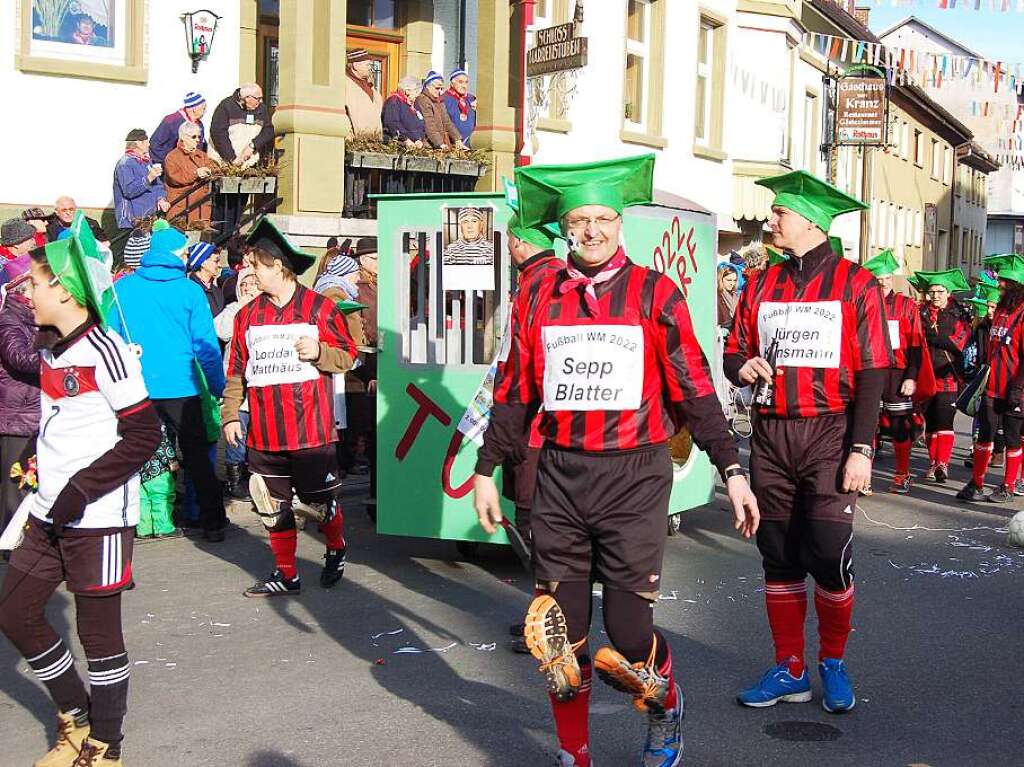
68,508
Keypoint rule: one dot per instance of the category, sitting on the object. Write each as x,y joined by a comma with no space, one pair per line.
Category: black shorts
312,472
97,565
602,517
892,401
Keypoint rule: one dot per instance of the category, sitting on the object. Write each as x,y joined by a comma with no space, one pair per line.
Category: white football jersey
82,391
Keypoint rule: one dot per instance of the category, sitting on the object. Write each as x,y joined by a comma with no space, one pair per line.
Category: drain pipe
462,34
526,8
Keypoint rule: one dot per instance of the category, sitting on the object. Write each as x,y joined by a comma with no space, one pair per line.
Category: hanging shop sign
862,108
557,50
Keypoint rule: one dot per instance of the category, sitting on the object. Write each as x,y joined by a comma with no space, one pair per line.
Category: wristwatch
865,450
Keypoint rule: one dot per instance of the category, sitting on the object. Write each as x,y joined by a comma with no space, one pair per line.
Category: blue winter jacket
402,121
134,196
467,126
165,137
168,316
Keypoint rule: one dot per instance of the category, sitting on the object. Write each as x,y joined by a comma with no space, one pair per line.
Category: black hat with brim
268,238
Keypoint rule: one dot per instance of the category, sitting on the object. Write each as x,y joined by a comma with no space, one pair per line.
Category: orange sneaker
547,638
69,742
641,680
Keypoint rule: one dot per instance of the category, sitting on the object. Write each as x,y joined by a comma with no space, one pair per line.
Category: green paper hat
1012,275
347,307
952,280
540,238
775,256
980,306
986,281
837,246
811,197
883,264
81,269
987,293
999,261
267,237
548,192
537,237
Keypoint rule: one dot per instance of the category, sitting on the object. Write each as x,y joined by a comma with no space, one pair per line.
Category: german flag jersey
947,332
608,381
1005,343
905,333
826,319
291,403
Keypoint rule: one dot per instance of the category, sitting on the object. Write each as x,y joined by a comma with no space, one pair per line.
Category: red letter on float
427,407
446,470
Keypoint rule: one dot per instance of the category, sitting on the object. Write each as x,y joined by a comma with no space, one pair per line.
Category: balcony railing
370,173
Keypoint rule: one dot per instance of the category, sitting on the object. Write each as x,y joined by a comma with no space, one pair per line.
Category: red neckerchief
463,101
403,97
143,158
579,279
366,87
184,114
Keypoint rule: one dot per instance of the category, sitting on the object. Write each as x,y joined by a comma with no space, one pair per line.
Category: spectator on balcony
166,135
363,102
186,165
241,132
461,104
138,191
441,131
403,122
63,212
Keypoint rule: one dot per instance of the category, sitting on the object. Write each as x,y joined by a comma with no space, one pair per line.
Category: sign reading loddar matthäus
557,50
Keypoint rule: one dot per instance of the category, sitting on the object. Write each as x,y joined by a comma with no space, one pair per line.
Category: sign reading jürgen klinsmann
861,110
557,50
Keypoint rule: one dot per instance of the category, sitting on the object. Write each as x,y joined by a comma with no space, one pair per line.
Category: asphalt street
405,662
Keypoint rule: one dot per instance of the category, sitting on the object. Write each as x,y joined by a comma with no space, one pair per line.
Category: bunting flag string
999,6
910,66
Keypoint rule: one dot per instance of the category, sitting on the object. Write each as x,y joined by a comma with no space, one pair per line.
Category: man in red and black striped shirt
286,344
1004,390
906,338
947,330
608,348
819,320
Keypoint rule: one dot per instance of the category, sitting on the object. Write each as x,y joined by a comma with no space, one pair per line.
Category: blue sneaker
664,746
837,693
777,684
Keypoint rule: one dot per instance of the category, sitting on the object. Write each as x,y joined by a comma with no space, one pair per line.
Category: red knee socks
572,718
334,531
787,611
902,453
283,544
982,458
944,446
665,669
835,611
1013,463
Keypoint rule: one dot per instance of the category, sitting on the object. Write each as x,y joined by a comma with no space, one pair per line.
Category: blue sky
993,34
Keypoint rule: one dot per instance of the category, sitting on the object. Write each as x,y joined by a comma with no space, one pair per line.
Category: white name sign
593,367
894,334
272,357
810,333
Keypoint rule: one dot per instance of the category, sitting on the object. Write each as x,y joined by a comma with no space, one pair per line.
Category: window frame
134,69
710,145
641,50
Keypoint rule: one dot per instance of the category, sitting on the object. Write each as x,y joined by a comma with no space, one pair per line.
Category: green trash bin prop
444,288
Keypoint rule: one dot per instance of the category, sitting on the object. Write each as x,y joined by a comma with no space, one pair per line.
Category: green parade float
445,281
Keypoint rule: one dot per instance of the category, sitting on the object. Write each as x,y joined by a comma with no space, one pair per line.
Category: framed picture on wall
98,39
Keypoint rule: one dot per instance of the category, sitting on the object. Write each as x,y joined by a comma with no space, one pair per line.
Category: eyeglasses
602,222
